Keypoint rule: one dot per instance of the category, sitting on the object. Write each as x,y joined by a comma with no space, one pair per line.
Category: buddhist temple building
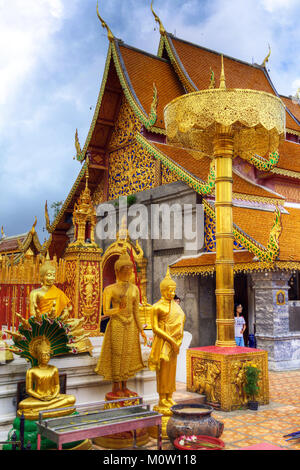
127,154
15,247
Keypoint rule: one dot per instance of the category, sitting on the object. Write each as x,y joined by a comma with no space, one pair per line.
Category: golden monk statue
49,298
52,301
42,385
167,324
121,356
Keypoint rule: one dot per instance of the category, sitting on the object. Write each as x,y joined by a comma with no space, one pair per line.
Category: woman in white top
239,326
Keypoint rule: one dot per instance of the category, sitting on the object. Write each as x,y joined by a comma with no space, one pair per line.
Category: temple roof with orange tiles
128,120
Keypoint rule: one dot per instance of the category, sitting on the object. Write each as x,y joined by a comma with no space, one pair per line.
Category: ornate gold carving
84,217
229,384
89,291
257,118
99,194
127,124
131,170
207,379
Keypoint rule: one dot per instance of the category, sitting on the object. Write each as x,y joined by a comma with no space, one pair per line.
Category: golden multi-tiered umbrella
224,123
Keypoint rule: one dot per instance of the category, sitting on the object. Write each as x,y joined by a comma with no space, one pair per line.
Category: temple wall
272,319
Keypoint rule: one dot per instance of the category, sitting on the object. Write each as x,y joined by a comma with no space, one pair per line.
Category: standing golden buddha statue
167,319
42,385
121,356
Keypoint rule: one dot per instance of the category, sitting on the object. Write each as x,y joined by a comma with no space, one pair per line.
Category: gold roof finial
77,146
222,76
266,59
298,94
2,232
157,19
34,225
104,25
47,218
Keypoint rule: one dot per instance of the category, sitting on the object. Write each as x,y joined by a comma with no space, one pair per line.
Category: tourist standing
239,325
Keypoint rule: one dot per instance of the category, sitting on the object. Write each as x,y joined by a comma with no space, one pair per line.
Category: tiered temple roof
15,247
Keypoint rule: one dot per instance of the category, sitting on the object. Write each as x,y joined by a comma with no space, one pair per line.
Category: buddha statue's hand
47,398
175,348
143,334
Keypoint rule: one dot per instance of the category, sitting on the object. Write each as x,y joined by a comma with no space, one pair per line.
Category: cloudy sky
52,54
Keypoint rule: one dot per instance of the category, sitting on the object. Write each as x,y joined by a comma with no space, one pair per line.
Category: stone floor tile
248,442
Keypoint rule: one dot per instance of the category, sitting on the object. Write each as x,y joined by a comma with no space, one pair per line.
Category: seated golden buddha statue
52,301
167,324
42,386
121,356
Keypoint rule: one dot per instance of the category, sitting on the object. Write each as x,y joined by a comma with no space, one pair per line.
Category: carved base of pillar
218,373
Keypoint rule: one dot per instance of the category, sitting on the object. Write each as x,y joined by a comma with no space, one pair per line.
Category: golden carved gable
126,126
131,170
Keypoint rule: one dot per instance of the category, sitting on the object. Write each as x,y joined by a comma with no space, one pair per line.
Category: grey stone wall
272,321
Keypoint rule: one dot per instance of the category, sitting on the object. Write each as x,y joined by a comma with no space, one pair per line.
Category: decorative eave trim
98,104
283,172
31,237
196,184
144,118
292,131
249,243
183,76
255,266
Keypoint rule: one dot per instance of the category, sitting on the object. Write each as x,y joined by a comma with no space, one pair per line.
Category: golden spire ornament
266,59
77,147
105,25
222,76
157,19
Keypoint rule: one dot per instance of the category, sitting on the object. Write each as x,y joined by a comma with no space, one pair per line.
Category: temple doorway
241,297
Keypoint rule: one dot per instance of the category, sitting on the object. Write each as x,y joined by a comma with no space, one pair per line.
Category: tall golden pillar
223,154
223,123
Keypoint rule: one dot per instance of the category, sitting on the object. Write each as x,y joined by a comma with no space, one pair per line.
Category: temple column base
218,373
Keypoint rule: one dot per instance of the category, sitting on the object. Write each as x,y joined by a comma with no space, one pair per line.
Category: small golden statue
5,354
167,324
52,301
42,385
121,356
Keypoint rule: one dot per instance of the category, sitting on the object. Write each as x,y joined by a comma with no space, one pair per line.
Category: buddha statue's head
168,287
123,267
47,274
42,351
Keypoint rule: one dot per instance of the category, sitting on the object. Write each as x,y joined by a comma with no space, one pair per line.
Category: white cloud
26,29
